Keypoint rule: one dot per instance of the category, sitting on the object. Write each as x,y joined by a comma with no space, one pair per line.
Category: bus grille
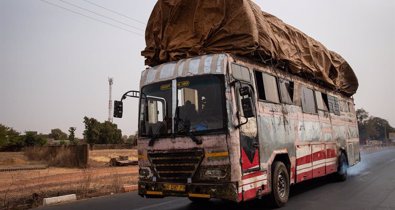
176,165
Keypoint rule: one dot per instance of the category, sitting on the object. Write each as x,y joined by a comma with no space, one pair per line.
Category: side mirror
245,91
248,107
118,109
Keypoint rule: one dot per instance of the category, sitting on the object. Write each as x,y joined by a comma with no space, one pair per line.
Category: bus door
249,143
247,118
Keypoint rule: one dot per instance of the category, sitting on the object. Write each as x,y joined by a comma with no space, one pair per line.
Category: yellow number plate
174,187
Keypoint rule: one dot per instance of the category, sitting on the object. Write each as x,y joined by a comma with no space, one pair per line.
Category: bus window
308,102
286,91
344,106
322,101
333,105
240,72
267,87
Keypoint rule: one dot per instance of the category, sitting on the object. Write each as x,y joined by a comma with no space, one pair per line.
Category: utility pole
110,82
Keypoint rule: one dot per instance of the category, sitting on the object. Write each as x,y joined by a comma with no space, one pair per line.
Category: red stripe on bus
304,176
320,155
331,168
303,160
254,174
330,153
317,172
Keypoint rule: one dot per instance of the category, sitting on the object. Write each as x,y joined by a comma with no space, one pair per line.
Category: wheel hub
281,184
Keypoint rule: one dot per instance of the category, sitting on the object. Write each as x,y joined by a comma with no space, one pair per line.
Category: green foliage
58,134
372,128
72,134
132,139
362,115
3,135
92,130
110,134
33,139
9,138
101,133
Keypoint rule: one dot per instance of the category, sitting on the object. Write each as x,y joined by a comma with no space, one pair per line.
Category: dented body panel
234,163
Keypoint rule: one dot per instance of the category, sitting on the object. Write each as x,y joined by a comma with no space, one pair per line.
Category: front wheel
280,185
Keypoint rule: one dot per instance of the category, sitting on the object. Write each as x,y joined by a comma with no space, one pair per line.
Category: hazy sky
54,63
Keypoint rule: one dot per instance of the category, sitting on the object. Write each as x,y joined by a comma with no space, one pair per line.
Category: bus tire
280,185
341,174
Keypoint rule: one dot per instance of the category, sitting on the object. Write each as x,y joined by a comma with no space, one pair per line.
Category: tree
362,115
72,134
58,134
124,138
92,130
378,128
31,138
132,139
10,139
373,128
101,133
3,135
110,134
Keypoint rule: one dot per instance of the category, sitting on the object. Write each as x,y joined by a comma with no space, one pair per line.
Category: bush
60,156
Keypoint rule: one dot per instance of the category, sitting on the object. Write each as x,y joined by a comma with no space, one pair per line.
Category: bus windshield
200,107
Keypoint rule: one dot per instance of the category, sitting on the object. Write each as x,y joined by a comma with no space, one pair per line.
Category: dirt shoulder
23,188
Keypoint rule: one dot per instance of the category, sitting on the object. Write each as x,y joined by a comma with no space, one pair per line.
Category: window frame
232,64
279,80
303,88
324,98
263,91
334,106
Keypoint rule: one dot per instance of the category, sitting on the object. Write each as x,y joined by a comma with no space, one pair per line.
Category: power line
101,15
92,18
115,12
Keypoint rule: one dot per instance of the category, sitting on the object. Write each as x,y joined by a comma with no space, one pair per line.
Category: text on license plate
174,187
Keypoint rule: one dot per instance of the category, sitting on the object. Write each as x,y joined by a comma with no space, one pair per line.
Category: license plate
174,187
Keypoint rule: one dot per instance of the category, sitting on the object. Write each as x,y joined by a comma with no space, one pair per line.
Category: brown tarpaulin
180,29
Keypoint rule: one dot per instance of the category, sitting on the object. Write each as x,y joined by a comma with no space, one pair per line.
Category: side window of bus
241,72
267,87
308,101
344,106
333,105
286,91
322,101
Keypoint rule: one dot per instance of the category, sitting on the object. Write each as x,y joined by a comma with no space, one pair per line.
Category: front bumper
227,191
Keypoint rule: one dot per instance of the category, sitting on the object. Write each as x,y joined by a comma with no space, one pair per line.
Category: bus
227,127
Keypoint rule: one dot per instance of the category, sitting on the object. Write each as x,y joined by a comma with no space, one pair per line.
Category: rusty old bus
221,126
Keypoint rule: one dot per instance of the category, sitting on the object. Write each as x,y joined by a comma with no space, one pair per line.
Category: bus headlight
145,172
215,173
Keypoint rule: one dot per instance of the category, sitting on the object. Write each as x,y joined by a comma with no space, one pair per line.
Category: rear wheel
280,185
341,174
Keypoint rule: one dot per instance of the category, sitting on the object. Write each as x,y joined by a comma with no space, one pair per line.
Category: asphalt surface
370,185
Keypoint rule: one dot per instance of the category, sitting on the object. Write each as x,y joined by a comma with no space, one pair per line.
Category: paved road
371,185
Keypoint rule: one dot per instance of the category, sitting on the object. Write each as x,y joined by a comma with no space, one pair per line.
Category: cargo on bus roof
179,29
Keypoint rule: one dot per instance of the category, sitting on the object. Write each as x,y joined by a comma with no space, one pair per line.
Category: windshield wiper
185,126
196,140
155,133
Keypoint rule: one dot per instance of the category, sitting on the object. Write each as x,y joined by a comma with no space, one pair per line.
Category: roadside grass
25,189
